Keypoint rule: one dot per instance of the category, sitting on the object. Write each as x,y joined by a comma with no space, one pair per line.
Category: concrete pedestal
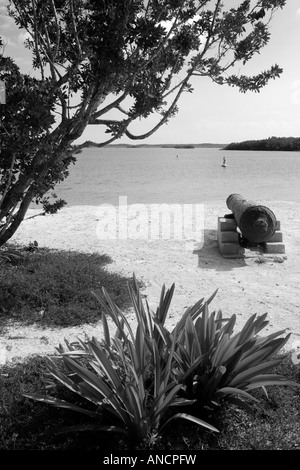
228,240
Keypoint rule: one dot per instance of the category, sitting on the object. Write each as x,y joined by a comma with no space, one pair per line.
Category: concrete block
276,237
228,237
275,248
229,248
226,224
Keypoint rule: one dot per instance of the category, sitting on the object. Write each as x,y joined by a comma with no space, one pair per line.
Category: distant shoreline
271,143
175,146
282,144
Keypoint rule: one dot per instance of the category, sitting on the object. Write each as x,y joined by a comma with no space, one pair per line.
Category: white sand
244,285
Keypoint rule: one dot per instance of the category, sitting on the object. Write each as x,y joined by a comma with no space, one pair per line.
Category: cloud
8,41
23,36
5,21
2,6
296,92
15,41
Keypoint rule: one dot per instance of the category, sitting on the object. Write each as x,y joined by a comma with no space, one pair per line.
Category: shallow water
156,175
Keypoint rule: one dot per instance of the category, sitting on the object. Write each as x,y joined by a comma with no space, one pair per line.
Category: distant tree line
272,143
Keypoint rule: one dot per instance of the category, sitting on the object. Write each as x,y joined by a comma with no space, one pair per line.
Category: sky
215,113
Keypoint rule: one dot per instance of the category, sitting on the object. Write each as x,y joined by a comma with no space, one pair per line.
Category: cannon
257,223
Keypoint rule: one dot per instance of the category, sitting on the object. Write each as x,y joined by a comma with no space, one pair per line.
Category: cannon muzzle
257,223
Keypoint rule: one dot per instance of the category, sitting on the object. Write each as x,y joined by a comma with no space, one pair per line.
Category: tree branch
47,51
88,143
36,46
165,117
109,107
57,28
75,30
10,173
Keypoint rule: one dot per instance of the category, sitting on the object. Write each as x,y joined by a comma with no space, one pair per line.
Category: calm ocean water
156,175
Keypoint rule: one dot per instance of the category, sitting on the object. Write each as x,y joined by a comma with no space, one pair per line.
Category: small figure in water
224,161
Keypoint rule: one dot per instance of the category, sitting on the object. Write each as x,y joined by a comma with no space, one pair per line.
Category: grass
59,283
24,424
53,288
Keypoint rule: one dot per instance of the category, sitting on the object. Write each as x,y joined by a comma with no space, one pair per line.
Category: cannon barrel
257,223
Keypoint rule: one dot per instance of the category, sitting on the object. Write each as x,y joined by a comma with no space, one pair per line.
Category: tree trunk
22,191
257,223
7,233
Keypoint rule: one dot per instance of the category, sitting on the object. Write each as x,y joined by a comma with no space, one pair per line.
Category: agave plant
138,377
210,362
237,364
214,365
123,375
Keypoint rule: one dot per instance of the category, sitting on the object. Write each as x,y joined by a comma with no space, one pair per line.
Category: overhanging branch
164,118
89,143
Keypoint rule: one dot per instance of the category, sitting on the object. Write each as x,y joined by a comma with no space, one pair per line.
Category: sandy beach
246,285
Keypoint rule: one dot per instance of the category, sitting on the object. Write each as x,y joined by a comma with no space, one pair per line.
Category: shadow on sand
209,256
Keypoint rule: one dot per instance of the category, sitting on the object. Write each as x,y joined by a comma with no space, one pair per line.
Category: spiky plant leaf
248,372
92,428
191,418
57,403
231,391
105,329
265,380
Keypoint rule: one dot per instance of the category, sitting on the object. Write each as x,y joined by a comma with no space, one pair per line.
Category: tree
110,63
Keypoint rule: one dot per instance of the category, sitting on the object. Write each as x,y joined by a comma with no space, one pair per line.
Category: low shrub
53,288
139,378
